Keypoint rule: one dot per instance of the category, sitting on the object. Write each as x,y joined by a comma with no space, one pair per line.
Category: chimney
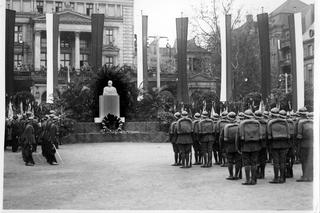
249,18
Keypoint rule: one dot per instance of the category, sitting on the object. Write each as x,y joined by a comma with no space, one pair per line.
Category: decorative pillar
44,6
77,51
21,5
37,50
59,52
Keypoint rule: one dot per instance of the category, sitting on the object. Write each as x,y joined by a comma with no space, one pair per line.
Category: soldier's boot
253,175
179,159
215,155
183,161
247,172
276,174
190,160
238,174
175,159
262,170
230,169
220,158
210,159
187,160
205,159
282,174
196,158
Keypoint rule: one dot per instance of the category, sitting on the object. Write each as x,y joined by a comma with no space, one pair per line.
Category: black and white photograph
159,105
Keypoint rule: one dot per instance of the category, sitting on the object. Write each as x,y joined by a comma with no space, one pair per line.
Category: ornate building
75,37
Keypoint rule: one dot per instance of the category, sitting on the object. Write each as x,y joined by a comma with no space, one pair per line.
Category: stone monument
108,102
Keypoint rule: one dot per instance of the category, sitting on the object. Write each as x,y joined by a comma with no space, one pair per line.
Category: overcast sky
162,13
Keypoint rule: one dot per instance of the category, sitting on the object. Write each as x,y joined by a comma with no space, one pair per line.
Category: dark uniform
173,139
206,133
184,140
220,125
250,143
227,141
16,133
305,139
290,158
279,142
263,151
28,141
48,150
196,139
215,147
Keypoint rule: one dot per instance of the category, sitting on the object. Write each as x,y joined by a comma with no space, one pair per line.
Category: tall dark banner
97,24
144,51
293,60
263,26
182,34
10,22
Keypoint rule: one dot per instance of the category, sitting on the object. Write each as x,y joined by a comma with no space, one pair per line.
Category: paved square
106,176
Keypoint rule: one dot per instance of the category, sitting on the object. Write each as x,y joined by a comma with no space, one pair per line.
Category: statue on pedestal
110,90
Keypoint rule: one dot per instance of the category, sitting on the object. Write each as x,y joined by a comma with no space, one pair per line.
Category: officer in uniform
28,141
263,151
215,146
184,140
48,150
305,139
250,144
227,140
279,141
206,130
196,139
173,139
220,125
290,158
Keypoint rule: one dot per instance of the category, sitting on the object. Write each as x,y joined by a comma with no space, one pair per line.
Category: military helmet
303,111
310,115
215,116
275,112
258,114
184,113
224,114
248,113
205,114
241,115
197,115
231,116
177,115
283,114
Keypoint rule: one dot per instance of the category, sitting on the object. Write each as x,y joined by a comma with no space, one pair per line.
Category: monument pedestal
108,104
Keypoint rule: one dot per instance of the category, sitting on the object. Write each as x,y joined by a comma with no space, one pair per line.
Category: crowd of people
247,139
27,132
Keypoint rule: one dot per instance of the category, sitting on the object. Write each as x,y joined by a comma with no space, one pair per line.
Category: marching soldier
263,151
305,139
220,125
48,150
227,140
206,132
290,158
16,133
184,140
28,141
173,140
279,141
196,139
215,146
250,144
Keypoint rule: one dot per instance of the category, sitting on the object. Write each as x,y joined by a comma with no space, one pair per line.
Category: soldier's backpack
278,129
220,125
184,126
230,131
263,129
249,130
305,129
172,128
206,126
291,127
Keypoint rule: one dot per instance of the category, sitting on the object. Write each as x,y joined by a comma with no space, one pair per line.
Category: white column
59,51
37,50
11,4
21,5
77,51
44,6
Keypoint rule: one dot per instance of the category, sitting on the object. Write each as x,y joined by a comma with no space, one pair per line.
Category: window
18,34
83,59
109,34
89,9
310,72
58,6
310,50
83,44
40,6
111,10
118,11
65,44
109,60
43,42
17,60
72,5
65,59
43,60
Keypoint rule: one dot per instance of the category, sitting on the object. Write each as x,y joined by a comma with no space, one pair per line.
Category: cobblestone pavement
139,176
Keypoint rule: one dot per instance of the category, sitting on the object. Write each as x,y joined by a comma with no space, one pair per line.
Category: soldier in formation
248,140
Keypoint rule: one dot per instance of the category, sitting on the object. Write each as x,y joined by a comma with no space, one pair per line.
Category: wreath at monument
111,124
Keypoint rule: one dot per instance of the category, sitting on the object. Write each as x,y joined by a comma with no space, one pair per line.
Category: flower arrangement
111,124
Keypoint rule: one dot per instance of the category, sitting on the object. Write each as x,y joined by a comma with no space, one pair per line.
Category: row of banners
227,83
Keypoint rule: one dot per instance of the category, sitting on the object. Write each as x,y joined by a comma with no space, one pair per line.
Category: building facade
30,52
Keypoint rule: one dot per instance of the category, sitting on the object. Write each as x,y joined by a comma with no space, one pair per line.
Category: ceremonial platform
87,132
